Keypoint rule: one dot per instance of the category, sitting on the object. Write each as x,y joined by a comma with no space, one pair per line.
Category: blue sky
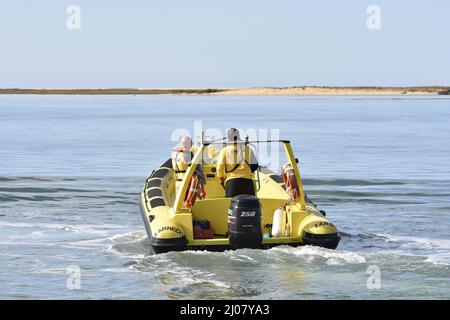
206,43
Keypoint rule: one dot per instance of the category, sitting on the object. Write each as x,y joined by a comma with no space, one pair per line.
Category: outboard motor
244,222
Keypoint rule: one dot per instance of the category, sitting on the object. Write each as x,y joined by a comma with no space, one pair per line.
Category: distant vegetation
444,92
404,90
108,91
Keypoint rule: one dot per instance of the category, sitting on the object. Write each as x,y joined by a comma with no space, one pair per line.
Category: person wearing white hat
182,154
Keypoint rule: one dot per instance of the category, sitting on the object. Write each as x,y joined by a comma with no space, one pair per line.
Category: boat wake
95,223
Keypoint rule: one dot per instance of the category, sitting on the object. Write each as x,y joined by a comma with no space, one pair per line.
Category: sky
228,43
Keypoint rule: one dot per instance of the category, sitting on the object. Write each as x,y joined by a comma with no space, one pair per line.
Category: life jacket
234,163
290,181
195,190
180,159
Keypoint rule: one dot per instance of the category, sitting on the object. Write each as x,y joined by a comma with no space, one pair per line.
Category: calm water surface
71,168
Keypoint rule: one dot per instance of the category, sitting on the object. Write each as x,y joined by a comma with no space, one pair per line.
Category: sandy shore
260,91
337,91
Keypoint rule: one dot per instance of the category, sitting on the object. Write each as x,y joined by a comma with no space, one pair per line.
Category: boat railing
199,160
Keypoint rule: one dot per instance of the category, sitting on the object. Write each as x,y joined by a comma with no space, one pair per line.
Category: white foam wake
333,257
436,250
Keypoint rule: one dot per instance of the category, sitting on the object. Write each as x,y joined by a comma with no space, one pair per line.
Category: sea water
71,169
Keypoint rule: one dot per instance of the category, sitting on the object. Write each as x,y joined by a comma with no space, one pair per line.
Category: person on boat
182,156
235,166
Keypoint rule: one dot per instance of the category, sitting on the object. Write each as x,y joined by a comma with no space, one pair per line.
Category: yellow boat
171,223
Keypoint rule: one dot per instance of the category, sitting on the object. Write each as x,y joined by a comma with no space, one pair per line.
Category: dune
312,90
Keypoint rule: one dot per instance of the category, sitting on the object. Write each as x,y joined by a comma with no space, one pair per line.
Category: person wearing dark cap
235,166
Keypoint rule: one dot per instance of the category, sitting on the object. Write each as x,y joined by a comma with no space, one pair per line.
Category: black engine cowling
244,222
